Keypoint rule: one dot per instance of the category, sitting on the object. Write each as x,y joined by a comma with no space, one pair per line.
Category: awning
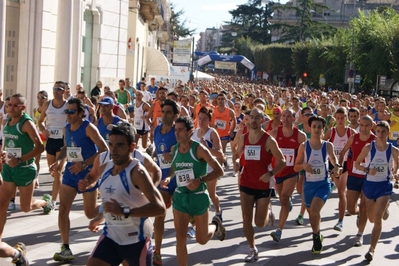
198,75
157,64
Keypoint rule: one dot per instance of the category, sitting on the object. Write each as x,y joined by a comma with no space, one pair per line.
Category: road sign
383,79
351,80
358,78
351,73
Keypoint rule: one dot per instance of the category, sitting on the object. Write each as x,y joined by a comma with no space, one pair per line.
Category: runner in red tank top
257,148
356,177
275,122
288,138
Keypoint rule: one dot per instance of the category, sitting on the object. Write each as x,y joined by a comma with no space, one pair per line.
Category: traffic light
305,74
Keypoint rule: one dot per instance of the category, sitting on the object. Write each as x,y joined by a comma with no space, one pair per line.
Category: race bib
318,173
74,154
163,164
357,171
13,153
289,155
120,221
138,123
183,177
395,135
382,172
337,151
252,152
220,124
55,132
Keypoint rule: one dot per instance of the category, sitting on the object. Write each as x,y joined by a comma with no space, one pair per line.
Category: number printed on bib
220,124
183,177
120,221
163,164
289,155
13,153
138,123
55,132
318,173
252,152
395,135
74,154
382,172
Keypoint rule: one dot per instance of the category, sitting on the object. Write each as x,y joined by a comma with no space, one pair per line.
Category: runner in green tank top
189,165
21,143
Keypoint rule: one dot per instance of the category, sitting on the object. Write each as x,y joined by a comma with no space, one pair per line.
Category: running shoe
226,165
157,259
276,235
358,240
220,215
272,219
191,232
11,206
369,256
252,256
338,227
220,230
299,220
150,150
385,216
317,244
49,208
22,260
64,255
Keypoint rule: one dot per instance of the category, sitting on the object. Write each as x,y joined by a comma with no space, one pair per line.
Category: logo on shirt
184,165
292,140
110,190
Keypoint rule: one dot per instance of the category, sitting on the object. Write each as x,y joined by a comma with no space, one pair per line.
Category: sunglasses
308,114
15,105
41,97
69,111
58,89
276,113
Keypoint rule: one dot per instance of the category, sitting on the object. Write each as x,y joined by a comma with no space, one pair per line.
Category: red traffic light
305,74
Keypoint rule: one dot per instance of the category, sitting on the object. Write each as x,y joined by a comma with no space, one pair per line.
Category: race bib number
382,172
138,123
74,154
13,153
318,173
337,151
289,155
55,132
163,164
183,177
120,221
395,135
159,120
252,152
220,124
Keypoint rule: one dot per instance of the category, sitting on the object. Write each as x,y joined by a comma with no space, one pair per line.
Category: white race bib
183,177
55,132
318,173
220,124
289,155
395,135
163,164
120,221
252,152
337,151
382,172
138,123
13,153
74,154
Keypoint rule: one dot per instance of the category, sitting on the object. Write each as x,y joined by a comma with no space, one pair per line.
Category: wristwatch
84,165
126,211
19,160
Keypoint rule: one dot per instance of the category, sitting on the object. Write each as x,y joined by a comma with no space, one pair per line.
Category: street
40,234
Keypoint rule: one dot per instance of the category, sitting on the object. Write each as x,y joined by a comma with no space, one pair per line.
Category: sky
203,14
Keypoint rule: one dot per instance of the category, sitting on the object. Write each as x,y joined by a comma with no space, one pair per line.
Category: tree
177,26
306,27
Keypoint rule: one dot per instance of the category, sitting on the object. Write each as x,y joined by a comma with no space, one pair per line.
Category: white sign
182,52
383,80
225,65
176,73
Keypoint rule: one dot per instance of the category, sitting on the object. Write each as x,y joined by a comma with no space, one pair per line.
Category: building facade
78,41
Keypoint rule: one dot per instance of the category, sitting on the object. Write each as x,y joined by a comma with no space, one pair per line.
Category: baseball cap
213,96
107,100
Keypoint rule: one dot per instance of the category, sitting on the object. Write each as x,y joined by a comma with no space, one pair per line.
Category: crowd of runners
282,139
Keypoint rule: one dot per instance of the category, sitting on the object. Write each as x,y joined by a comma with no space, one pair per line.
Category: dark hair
341,110
124,129
304,109
259,100
173,104
383,124
121,80
172,93
317,118
45,94
207,111
354,110
79,104
187,121
162,89
22,99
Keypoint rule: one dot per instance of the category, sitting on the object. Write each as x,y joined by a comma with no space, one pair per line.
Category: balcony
149,9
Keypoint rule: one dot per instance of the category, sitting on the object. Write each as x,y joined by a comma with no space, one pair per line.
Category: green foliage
275,59
178,26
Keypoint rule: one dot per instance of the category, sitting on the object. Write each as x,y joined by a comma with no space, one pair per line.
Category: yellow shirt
269,112
394,132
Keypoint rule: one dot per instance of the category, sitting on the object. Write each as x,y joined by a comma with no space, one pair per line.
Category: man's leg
181,222
204,230
90,204
341,186
7,190
262,209
67,196
27,201
159,229
51,159
247,206
314,218
379,208
285,191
